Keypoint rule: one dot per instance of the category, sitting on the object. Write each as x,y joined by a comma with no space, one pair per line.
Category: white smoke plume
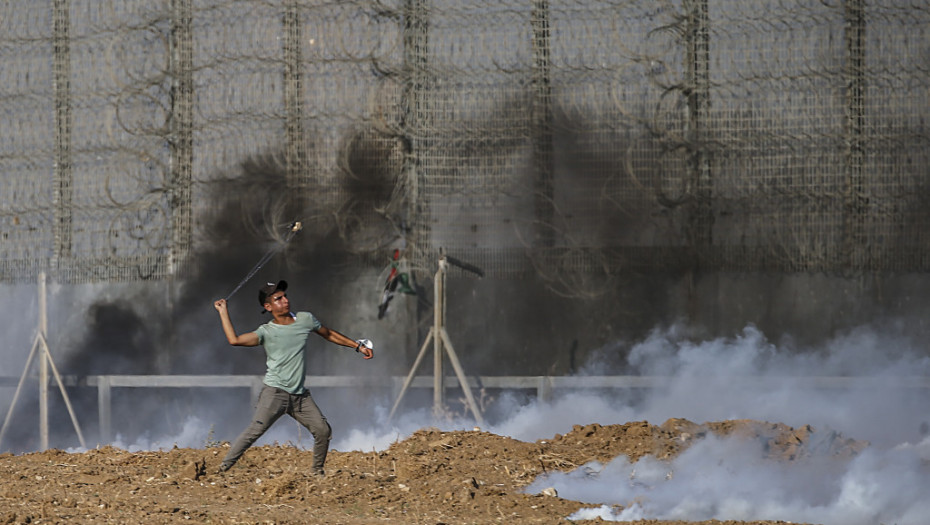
742,377
746,376
749,377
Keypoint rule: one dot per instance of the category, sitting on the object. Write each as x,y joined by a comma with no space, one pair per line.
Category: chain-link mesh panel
27,140
894,136
776,134
91,110
574,140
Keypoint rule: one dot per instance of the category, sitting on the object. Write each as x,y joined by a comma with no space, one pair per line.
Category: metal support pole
440,340
19,388
410,375
45,362
43,367
64,393
460,373
439,298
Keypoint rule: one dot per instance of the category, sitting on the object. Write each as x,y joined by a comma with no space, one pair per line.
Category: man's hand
220,305
366,348
362,346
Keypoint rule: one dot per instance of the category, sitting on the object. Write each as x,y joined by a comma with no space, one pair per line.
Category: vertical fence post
855,200
439,310
416,122
43,366
542,125
295,156
544,389
697,91
181,130
62,189
104,408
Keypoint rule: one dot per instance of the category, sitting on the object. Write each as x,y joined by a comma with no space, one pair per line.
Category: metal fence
573,139
545,388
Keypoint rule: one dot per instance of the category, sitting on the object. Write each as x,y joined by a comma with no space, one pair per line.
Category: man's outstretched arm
335,337
249,339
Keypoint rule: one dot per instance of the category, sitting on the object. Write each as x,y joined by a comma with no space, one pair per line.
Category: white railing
543,385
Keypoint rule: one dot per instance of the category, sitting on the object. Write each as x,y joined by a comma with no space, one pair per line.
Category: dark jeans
272,404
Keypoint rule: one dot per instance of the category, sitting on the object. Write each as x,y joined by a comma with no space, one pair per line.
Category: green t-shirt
285,349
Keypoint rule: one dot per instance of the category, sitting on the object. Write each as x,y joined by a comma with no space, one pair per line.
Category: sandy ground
432,477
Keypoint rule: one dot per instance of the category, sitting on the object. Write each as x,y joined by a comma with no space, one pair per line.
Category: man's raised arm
249,339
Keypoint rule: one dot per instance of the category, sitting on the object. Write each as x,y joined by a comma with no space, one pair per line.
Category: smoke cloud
745,376
730,479
727,479
172,328
741,377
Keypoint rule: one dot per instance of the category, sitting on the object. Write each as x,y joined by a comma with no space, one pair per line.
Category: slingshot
294,227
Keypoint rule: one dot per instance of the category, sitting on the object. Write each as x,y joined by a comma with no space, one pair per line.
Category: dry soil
432,477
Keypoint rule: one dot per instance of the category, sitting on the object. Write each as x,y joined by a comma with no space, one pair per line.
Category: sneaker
318,473
223,468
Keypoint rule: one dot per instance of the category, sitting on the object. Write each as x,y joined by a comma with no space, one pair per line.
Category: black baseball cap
270,289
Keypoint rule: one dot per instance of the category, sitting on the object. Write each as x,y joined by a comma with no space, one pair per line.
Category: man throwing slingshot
284,339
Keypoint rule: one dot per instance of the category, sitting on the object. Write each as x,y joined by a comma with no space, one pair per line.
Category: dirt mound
430,477
779,441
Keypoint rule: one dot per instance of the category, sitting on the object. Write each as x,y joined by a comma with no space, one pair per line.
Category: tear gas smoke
728,479
716,478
